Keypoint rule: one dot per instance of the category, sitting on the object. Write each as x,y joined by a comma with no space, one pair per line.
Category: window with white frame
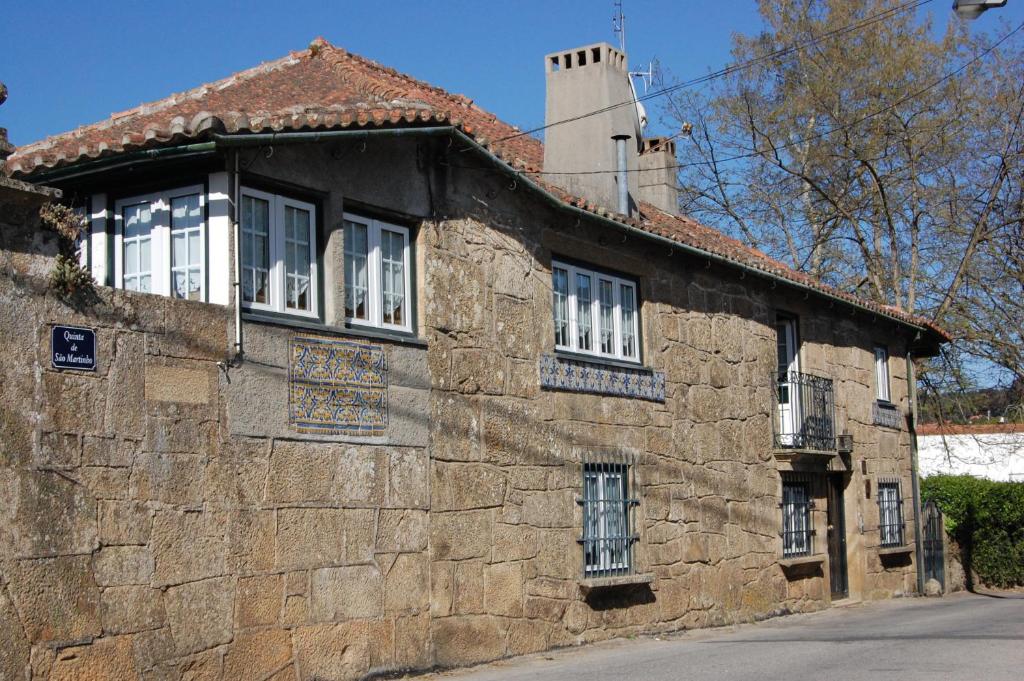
882,373
160,243
797,529
607,519
890,513
377,274
595,313
279,268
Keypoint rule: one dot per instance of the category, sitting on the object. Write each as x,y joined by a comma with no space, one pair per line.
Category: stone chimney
581,81
658,182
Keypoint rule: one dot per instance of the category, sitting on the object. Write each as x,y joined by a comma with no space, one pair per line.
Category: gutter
915,482
692,250
221,141
126,159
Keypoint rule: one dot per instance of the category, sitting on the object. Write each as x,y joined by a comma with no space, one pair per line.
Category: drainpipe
620,172
237,259
914,482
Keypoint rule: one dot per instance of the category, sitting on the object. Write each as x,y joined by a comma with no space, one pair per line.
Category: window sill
895,550
590,584
316,325
790,453
801,561
603,361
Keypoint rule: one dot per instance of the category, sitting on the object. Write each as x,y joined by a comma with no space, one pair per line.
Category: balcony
804,411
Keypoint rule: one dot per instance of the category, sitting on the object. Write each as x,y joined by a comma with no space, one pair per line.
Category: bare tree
884,160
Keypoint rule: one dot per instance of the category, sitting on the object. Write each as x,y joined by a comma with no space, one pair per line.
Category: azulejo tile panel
560,373
337,387
886,415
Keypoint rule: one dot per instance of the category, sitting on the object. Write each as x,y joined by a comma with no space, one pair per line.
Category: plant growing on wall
986,518
69,279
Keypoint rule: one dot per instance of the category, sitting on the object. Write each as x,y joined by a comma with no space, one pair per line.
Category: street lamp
972,9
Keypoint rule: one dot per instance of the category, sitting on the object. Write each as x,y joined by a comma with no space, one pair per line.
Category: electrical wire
825,133
733,68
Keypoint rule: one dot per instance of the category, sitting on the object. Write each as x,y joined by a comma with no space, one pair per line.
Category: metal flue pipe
620,172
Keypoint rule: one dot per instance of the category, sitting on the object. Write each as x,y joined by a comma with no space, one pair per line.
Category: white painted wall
996,456
98,241
219,239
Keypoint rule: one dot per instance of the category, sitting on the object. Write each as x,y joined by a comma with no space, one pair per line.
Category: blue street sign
73,348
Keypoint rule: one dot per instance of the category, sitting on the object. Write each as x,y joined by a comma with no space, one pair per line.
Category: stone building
455,412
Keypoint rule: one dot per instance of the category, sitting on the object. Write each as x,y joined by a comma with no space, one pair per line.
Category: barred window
890,513
608,536
797,529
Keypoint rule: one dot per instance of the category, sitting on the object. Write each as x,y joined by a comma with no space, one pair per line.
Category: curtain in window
356,277
137,242
560,302
392,248
255,250
186,247
297,258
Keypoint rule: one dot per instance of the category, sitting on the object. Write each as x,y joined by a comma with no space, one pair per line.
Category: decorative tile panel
559,373
337,387
886,415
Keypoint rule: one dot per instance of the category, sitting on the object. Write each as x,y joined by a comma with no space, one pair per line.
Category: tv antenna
619,25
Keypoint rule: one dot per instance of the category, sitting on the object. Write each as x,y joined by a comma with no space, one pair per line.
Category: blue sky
68,63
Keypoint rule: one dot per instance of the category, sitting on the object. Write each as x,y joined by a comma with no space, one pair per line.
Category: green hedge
986,519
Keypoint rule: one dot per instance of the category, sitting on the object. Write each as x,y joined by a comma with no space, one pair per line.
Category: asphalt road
963,636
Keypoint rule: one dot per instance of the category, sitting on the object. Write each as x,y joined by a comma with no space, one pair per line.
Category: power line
733,68
825,133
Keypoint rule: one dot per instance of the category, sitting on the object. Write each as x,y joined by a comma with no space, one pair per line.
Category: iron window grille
608,503
891,528
797,525
804,408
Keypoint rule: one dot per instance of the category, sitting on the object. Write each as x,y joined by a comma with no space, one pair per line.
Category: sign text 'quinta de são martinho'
73,348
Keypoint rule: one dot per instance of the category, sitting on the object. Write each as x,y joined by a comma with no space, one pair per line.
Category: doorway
838,577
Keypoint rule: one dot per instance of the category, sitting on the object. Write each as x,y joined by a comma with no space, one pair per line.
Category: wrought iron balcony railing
804,411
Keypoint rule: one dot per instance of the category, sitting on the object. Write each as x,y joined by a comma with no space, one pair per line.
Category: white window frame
882,386
891,525
605,515
160,238
276,273
374,267
595,312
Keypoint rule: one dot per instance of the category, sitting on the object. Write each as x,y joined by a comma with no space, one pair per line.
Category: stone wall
165,518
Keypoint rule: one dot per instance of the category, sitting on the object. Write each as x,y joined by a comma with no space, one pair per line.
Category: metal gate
934,545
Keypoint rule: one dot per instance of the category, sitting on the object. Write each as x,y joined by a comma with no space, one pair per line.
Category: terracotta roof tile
326,87
969,429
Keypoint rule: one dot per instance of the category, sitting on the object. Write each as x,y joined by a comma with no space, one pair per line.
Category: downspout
236,259
914,481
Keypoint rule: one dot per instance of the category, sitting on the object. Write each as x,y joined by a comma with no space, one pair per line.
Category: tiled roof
326,87
969,429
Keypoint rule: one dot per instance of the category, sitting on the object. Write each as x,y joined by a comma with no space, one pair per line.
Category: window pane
628,304
584,322
356,275
560,303
606,291
392,246
136,238
298,258
255,250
